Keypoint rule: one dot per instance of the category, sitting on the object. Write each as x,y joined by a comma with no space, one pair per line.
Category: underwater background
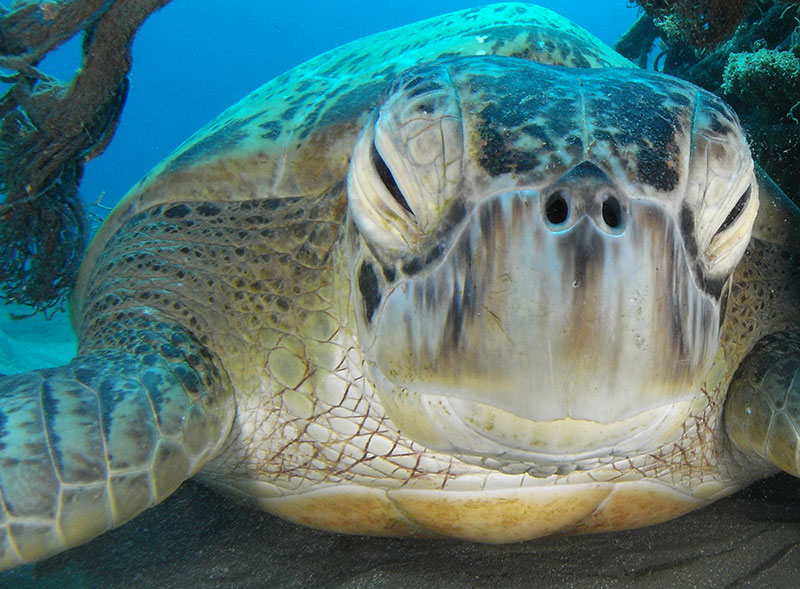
193,59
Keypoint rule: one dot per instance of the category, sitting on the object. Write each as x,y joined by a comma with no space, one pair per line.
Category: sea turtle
476,277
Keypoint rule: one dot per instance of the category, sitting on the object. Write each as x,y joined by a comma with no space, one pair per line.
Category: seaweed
50,129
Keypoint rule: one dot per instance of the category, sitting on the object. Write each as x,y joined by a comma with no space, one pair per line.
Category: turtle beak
570,303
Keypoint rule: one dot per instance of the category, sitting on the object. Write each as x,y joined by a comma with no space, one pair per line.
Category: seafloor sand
33,342
198,539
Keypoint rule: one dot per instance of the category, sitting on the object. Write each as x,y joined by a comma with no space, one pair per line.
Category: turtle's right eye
388,179
407,163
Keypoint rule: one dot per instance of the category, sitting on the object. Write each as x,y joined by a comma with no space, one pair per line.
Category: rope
49,129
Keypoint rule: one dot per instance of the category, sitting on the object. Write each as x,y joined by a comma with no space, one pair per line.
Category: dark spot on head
627,111
389,273
486,216
657,169
687,231
289,113
208,209
714,286
720,118
413,265
272,130
349,105
177,211
680,99
435,253
522,104
460,305
455,214
368,287
231,133
579,61
717,126
711,286
412,85
3,429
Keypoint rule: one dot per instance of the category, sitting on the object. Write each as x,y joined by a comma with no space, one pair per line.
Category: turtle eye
388,179
728,244
736,211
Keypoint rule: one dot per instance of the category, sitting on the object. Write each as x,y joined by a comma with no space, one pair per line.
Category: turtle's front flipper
762,411
87,446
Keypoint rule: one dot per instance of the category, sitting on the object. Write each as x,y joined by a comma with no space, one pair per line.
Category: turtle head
541,257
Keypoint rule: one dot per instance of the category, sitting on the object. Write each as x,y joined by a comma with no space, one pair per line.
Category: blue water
196,57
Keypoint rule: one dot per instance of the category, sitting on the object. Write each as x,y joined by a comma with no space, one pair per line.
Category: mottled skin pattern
220,309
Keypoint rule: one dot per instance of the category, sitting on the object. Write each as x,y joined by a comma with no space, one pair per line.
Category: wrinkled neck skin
539,282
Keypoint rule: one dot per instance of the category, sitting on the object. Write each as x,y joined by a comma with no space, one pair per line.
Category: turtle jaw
483,434
545,339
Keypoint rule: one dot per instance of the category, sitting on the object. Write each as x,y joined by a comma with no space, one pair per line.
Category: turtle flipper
87,446
762,411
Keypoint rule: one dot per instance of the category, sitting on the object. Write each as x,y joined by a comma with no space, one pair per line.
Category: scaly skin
88,446
761,412
764,402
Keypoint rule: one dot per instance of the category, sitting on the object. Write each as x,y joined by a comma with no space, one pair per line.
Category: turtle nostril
557,209
612,212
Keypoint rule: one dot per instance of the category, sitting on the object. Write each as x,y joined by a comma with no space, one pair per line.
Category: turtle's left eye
736,211
388,179
728,243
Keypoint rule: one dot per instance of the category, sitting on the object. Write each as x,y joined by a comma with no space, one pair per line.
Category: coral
636,42
764,88
767,77
703,24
